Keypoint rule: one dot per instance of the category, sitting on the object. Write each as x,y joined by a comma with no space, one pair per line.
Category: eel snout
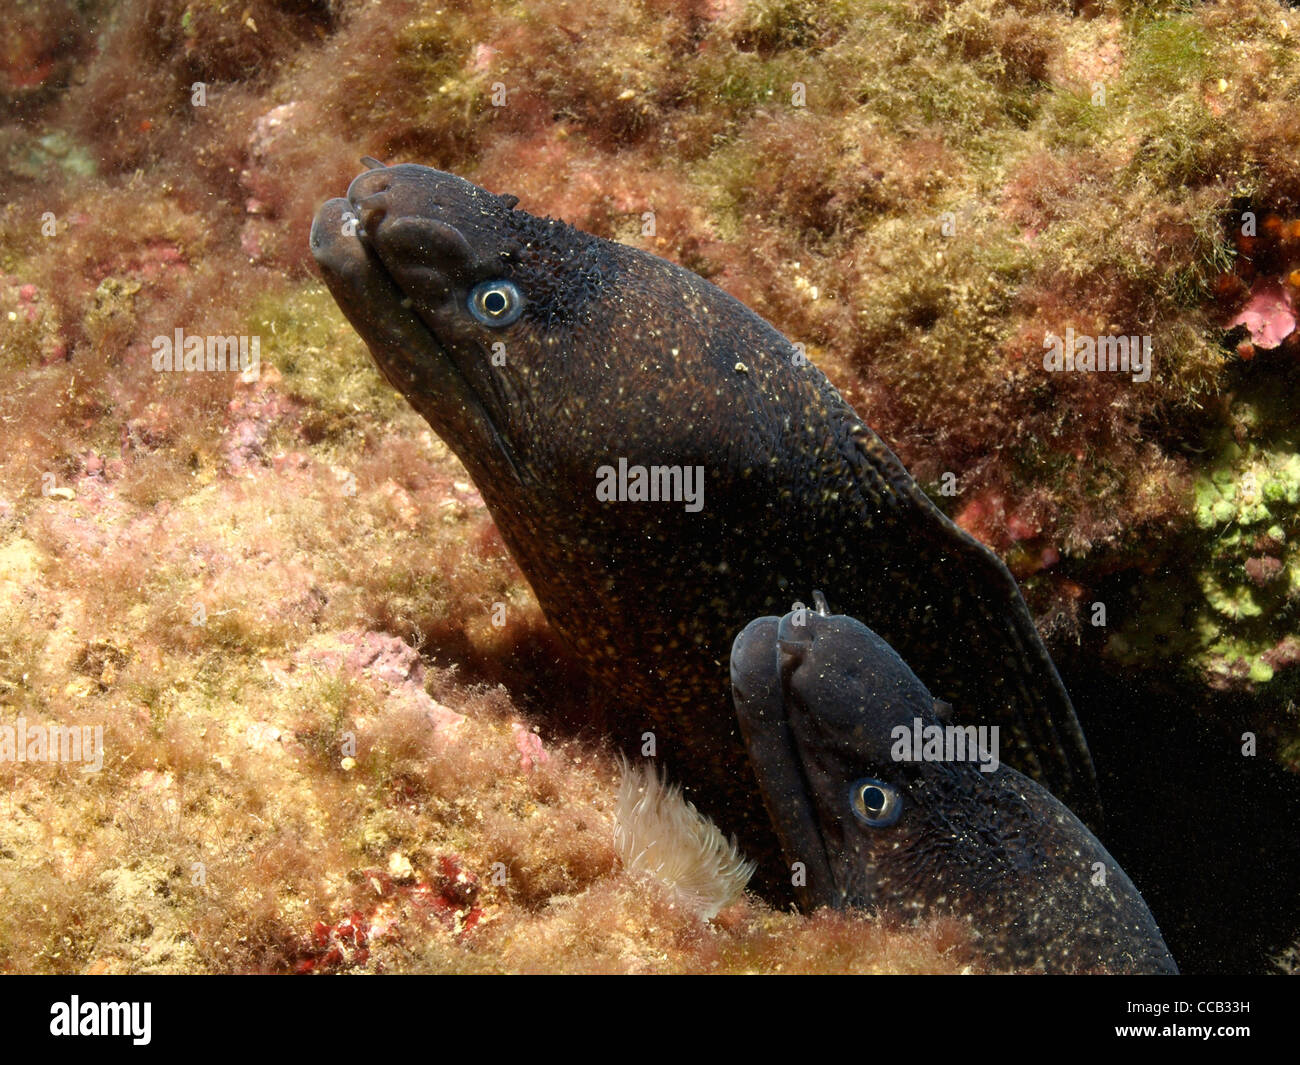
333,239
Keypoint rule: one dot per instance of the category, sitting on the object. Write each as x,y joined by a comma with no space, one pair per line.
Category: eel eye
874,802
496,303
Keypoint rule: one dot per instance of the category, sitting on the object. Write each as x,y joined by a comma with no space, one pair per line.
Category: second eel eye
874,802
496,303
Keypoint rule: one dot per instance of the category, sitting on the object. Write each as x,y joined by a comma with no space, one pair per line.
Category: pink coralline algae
529,746
263,202
386,661
988,518
1269,315
251,416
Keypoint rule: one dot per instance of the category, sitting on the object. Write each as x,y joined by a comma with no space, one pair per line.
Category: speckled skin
621,354
818,698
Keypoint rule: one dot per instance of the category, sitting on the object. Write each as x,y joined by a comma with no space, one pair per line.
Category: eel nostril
371,210
370,183
793,635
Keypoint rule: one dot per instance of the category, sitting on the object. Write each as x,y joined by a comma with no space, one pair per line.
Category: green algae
428,73
778,25
322,362
1231,614
57,150
1168,53
112,319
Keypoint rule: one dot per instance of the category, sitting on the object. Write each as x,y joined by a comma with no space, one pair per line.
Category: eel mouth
406,349
762,657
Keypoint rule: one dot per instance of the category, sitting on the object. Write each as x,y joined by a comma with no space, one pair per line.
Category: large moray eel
551,361
869,817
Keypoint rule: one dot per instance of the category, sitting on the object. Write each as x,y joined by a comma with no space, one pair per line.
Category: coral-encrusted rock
384,660
263,204
450,895
252,416
384,656
529,746
1263,569
150,430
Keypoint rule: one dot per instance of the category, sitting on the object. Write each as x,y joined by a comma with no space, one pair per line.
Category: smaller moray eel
818,697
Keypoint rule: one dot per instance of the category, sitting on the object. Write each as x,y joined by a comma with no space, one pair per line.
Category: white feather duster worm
659,833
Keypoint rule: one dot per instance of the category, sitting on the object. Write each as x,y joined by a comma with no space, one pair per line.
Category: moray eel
830,714
546,358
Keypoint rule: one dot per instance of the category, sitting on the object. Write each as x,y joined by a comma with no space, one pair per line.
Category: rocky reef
337,732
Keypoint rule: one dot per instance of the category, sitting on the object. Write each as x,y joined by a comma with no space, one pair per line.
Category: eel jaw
406,351
759,695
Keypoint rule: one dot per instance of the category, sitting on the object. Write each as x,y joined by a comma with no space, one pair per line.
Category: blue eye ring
874,802
496,303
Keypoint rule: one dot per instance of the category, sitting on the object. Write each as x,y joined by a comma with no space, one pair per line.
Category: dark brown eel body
541,354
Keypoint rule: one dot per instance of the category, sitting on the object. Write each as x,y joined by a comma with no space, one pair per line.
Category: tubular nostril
792,634
371,210
793,642
369,184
